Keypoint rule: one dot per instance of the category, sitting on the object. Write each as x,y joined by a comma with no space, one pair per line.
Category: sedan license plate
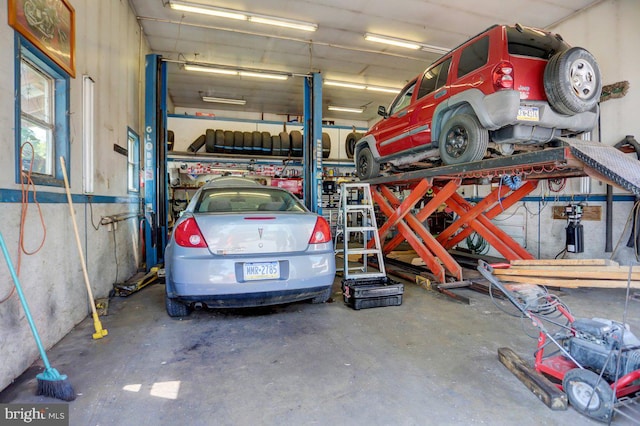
526,113
261,271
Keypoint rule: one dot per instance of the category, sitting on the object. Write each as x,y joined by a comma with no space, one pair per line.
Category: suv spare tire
463,139
572,81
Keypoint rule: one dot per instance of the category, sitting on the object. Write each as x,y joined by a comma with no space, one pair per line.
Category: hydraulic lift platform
572,158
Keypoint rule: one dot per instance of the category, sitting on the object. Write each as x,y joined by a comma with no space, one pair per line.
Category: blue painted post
312,148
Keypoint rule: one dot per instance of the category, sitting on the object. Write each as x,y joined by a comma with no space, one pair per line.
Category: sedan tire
175,308
324,297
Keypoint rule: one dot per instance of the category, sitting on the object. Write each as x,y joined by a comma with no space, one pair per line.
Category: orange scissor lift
573,158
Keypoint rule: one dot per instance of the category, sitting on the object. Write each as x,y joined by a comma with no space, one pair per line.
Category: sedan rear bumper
250,300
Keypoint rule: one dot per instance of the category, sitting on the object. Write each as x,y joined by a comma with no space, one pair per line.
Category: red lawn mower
596,361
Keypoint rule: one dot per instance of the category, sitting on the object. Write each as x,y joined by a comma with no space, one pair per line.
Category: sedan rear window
534,43
247,200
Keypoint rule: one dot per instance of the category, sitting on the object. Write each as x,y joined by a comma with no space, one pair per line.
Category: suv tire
463,139
366,166
572,81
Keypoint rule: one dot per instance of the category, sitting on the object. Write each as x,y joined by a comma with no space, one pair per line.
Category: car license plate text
529,113
261,270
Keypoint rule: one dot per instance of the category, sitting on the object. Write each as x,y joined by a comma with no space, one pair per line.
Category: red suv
505,89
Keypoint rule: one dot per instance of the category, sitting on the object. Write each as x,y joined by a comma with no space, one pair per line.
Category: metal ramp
439,185
359,231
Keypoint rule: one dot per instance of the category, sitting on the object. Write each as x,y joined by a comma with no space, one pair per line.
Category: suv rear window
533,43
474,56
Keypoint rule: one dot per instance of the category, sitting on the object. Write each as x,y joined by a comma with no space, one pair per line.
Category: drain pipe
628,140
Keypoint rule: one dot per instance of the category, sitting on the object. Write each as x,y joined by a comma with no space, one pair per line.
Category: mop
50,382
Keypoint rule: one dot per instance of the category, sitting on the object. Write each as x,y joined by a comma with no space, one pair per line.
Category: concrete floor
429,361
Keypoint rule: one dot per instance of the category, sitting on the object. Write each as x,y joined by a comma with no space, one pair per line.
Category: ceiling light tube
392,41
201,68
383,89
281,22
224,100
263,75
207,10
345,109
434,49
344,84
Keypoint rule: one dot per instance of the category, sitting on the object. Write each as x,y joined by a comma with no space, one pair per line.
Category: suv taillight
503,76
187,234
321,232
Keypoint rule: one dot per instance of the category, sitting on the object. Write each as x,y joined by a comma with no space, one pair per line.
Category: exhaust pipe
197,306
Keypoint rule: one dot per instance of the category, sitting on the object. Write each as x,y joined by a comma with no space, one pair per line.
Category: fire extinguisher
575,238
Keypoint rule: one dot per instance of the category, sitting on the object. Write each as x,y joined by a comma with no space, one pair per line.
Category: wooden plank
537,383
588,213
609,273
564,262
573,283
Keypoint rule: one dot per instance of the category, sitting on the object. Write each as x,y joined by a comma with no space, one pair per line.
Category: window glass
42,121
434,78
36,119
133,161
534,43
474,56
403,99
259,199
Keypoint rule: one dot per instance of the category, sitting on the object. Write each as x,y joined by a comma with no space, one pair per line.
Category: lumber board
596,272
564,262
572,283
537,383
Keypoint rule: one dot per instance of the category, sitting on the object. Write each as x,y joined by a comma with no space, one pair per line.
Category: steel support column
312,148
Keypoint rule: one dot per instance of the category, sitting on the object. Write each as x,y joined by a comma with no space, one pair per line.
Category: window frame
133,160
61,100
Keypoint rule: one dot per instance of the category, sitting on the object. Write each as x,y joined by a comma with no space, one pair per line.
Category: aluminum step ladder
357,227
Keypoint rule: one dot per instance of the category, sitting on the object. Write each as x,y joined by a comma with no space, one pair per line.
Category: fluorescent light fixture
434,49
345,109
263,75
383,89
361,86
392,41
224,100
241,15
200,68
414,45
281,22
207,10
344,84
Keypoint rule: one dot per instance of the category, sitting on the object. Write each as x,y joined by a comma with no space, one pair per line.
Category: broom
50,382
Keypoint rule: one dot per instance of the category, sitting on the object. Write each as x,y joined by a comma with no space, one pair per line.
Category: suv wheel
463,139
367,166
572,81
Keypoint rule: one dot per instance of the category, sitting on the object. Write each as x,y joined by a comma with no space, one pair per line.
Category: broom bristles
55,385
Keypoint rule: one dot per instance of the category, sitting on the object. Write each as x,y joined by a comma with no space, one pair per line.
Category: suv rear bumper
500,109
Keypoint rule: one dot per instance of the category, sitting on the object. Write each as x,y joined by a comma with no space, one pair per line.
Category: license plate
261,271
526,113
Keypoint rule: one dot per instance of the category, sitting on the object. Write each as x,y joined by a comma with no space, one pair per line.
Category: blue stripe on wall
15,196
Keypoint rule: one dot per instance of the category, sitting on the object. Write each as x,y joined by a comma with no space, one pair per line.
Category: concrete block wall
110,49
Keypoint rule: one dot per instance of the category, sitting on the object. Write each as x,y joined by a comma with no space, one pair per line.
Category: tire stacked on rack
256,143
350,143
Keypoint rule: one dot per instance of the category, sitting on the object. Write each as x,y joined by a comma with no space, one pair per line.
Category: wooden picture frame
50,26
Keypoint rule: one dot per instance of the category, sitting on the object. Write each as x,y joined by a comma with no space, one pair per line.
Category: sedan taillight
187,234
503,76
321,232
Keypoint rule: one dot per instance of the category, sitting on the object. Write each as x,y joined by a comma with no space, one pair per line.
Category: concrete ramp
606,163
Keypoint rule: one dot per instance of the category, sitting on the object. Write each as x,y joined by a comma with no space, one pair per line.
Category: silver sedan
243,244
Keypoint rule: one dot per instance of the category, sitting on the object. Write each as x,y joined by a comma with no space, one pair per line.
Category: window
133,161
474,56
403,99
42,123
533,43
434,78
